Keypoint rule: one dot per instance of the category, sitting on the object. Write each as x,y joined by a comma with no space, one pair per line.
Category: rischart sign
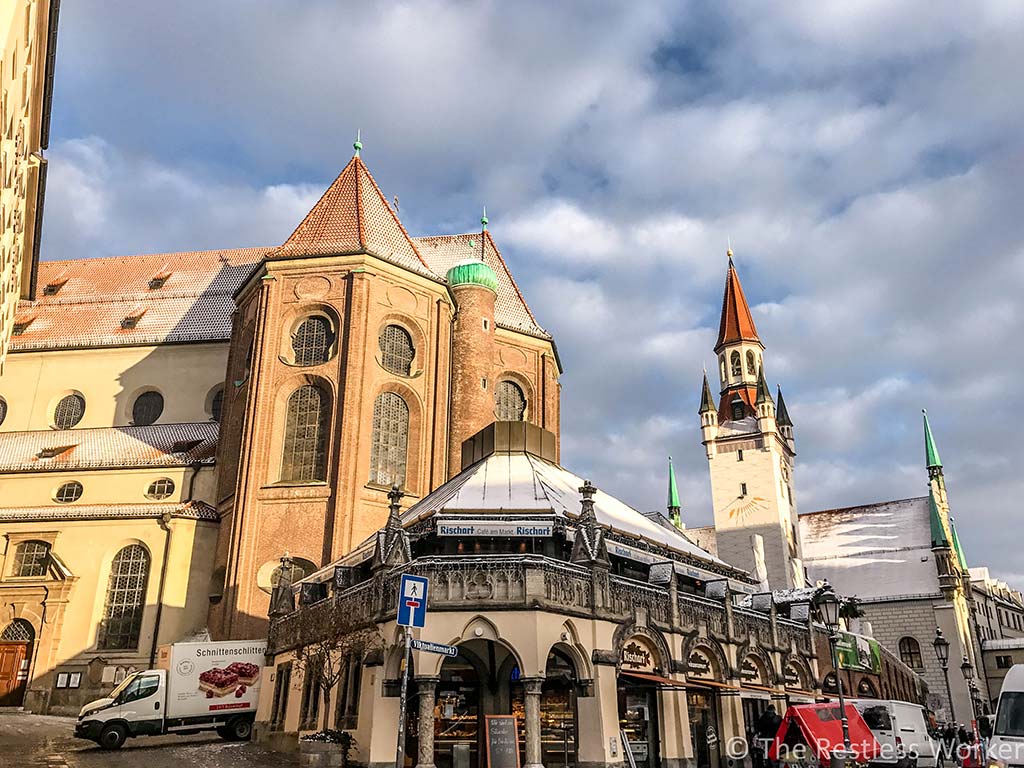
509,528
637,656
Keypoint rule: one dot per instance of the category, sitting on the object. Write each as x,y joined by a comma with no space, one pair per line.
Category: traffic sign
412,601
439,648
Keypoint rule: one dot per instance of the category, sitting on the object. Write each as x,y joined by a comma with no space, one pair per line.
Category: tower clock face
743,508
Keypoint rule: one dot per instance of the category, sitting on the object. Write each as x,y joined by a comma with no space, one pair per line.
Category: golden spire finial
728,247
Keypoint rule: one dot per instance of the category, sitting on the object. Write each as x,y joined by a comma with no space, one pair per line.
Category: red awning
665,682
819,726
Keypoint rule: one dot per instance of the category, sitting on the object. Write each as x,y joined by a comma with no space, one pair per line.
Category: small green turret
674,507
472,272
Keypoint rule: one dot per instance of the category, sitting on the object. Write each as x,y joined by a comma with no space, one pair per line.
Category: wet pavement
41,741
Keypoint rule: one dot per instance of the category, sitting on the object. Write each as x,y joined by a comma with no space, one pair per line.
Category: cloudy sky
865,158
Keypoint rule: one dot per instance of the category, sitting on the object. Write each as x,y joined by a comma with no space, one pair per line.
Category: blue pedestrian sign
412,601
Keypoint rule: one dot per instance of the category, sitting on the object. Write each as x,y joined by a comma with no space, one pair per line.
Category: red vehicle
810,733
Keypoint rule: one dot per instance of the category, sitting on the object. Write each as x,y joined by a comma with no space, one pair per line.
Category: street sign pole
400,748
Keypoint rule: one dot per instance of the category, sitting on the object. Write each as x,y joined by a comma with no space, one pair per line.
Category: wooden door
12,681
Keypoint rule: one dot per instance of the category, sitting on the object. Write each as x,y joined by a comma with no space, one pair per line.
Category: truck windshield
1010,717
124,684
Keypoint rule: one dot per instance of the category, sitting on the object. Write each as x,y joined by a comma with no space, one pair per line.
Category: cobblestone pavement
41,741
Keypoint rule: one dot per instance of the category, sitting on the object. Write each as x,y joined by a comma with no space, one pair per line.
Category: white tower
750,449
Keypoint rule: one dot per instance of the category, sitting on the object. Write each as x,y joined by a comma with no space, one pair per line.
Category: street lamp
968,670
829,606
941,646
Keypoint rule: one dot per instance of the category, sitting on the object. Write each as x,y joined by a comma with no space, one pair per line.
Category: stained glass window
31,558
126,599
390,440
509,402
396,349
312,341
305,436
69,411
68,492
147,408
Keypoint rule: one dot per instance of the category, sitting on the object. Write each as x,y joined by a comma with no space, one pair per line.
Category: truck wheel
113,736
239,729
222,731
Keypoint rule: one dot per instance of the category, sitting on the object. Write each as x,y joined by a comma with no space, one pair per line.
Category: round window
160,489
69,411
3,410
147,408
68,492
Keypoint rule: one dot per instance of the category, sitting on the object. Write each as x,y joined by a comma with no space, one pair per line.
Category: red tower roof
737,323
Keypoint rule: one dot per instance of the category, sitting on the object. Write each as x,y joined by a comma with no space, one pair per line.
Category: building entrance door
638,721
13,656
704,730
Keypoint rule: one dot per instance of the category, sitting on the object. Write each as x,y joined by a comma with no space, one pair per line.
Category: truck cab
1006,747
134,708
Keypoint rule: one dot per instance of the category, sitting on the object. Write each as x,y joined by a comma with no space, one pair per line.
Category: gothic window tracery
313,341
509,402
305,436
388,452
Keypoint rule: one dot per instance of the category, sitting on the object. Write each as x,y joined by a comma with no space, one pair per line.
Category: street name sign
439,648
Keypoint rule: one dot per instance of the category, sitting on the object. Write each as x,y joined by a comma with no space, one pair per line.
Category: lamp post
941,646
828,606
968,671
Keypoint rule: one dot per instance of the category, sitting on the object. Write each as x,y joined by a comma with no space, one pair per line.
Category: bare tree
327,661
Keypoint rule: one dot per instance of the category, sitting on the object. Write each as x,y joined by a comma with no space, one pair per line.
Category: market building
597,626
172,424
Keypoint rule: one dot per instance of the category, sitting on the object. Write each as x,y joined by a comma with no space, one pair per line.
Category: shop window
160,489
305,436
313,341
147,408
388,451
509,402
69,411
396,349
309,706
347,709
126,599
31,559
68,492
910,653
282,684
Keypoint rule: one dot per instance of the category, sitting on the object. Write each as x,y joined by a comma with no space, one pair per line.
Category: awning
699,683
665,682
758,688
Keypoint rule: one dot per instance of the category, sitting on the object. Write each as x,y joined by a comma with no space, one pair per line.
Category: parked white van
1006,747
902,731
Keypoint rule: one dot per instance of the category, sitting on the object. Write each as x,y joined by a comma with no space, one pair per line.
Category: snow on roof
1004,644
521,483
873,551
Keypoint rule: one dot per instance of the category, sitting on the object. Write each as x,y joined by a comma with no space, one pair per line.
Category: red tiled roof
194,303
353,216
108,447
442,252
747,394
196,510
736,323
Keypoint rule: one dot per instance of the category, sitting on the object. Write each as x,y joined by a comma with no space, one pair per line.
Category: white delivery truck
902,731
1006,747
196,687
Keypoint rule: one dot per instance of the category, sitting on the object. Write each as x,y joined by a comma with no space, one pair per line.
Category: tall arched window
31,559
390,440
396,350
910,653
217,405
305,436
509,402
126,599
721,368
313,340
751,363
736,363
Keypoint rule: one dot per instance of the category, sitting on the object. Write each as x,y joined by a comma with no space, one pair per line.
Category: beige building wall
28,29
187,375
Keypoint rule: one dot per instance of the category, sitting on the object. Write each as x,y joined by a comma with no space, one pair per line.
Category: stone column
426,688
531,705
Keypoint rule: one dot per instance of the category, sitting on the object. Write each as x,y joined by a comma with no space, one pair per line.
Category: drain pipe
164,520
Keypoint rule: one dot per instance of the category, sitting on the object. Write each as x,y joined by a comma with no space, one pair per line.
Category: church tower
750,448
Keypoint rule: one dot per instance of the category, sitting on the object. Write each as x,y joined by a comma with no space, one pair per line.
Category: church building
171,425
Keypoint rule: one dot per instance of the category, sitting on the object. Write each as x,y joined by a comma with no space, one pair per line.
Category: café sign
636,655
500,528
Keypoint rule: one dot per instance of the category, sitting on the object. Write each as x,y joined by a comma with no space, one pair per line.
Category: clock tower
748,437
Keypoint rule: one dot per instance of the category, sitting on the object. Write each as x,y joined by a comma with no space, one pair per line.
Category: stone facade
29,31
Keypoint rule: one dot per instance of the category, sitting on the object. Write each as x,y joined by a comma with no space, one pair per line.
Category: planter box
320,754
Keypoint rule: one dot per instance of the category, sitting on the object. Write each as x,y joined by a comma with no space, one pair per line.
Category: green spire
938,531
957,548
673,497
763,395
357,145
707,401
931,453
783,417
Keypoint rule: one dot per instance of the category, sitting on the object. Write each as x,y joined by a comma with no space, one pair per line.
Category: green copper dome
473,272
